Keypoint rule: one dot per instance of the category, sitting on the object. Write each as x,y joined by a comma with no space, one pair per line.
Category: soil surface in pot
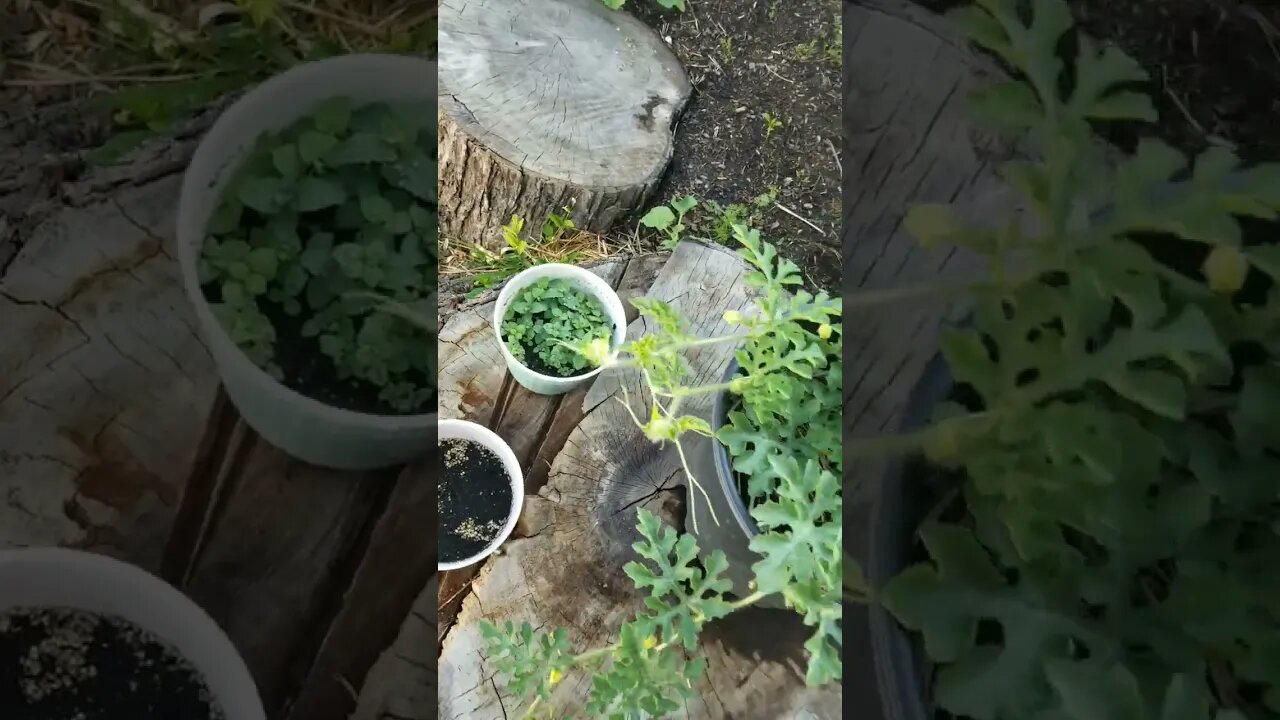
475,498
746,59
63,664
310,372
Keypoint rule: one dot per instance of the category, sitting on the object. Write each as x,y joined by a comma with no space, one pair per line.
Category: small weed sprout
771,123
749,214
519,253
726,48
669,219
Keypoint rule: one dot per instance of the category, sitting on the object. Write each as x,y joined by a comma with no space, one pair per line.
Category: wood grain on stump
579,526
546,104
116,438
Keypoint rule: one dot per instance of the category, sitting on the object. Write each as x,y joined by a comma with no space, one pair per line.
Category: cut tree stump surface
115,437
590,470
546,104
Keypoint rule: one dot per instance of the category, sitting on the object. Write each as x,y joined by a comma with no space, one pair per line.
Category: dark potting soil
746,59
475,498
63,664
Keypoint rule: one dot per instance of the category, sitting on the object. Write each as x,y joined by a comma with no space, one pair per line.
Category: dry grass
168,57
457,259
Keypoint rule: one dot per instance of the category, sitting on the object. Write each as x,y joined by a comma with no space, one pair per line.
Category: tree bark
548,104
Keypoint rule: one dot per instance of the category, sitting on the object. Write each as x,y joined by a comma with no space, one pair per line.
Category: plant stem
684,463
590,654
861,448
889,295
679,392
751,599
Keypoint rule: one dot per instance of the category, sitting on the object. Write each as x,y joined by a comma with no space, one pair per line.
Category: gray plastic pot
732,534
906,493
37,578
305,428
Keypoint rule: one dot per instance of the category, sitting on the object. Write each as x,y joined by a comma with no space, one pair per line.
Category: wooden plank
201,493
402,683
399,561
570,573
911,139
279,551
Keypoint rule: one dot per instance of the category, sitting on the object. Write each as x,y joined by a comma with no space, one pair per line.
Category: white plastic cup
465,430
305,428
36,578
586,281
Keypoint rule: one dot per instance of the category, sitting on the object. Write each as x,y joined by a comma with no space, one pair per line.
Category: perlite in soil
65,664
475,498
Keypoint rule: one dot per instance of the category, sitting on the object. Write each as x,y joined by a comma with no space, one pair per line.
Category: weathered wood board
568,570
907,138
910,139
402,683
104,384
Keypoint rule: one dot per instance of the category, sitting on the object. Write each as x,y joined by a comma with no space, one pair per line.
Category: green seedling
669,219
749,214
519,254
332,220
545,323
771,123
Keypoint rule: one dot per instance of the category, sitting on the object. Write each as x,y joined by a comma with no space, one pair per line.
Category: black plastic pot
724,466
732,535
907,491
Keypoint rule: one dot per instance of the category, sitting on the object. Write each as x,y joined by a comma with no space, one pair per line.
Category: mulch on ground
746,59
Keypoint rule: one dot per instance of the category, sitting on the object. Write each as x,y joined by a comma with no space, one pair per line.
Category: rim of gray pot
724,467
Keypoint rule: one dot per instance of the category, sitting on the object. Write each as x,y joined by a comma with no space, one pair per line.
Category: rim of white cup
222,653
515,474
612,304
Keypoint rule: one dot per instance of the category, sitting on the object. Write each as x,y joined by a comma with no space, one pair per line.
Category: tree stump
591,469
547,104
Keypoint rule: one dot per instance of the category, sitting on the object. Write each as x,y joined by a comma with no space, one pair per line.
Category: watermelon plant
1111,553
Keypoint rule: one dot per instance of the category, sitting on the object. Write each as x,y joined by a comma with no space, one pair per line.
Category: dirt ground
1215,65
746,59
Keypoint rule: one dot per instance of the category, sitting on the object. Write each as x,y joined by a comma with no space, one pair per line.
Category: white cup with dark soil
307,213
85,636
583,306
481,493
